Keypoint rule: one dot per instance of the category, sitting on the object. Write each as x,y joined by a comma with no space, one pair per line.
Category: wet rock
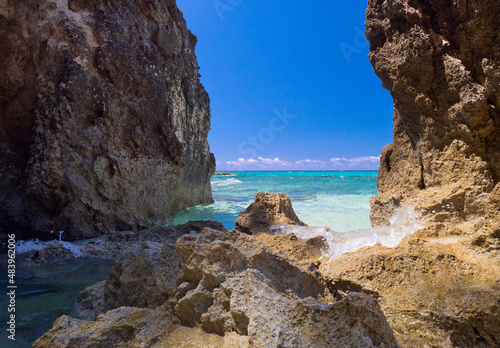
104,120
269,209
55,253
440,62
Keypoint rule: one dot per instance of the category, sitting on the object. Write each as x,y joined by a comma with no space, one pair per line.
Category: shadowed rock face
103,120
440,60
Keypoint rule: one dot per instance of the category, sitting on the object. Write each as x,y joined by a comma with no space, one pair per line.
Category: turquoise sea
339,200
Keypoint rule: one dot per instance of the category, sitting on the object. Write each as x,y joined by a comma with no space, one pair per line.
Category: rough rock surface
144,271
434,291
90,301
142,276
240,293
440,60
111,246
233,282
296,249
103,119
55,253
122,327
269,209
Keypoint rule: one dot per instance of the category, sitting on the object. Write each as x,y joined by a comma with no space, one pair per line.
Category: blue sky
290,84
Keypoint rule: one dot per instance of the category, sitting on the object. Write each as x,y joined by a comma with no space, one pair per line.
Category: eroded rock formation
269,209
103,119
440,60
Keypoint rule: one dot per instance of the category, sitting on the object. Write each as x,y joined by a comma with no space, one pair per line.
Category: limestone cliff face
440,59
103,119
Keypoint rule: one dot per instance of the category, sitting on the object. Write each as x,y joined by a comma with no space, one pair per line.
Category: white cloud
310,161
359,163
335,163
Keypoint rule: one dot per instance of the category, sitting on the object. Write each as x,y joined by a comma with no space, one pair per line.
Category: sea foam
402,224
24,246
225,182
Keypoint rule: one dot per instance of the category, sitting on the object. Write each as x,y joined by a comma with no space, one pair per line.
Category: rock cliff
440,60
103,119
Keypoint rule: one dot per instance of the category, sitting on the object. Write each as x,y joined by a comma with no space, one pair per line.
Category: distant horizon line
288,170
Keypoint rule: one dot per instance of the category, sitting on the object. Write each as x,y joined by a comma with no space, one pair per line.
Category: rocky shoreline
241,289
236,289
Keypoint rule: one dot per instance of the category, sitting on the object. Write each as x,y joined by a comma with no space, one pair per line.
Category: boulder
54,253
104,119
269,209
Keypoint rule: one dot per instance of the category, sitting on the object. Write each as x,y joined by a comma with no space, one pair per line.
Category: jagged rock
142,276
104,120
440,61
229,284
233,282
122,327
144,271
435,291
269,209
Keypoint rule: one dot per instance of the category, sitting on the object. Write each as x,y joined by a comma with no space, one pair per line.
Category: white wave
24,246
402,224
226,182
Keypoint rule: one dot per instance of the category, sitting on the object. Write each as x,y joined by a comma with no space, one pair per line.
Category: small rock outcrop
103,119
269,209
441,62
294,248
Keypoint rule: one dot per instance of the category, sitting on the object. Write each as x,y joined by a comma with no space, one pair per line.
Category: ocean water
339,200
335,205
